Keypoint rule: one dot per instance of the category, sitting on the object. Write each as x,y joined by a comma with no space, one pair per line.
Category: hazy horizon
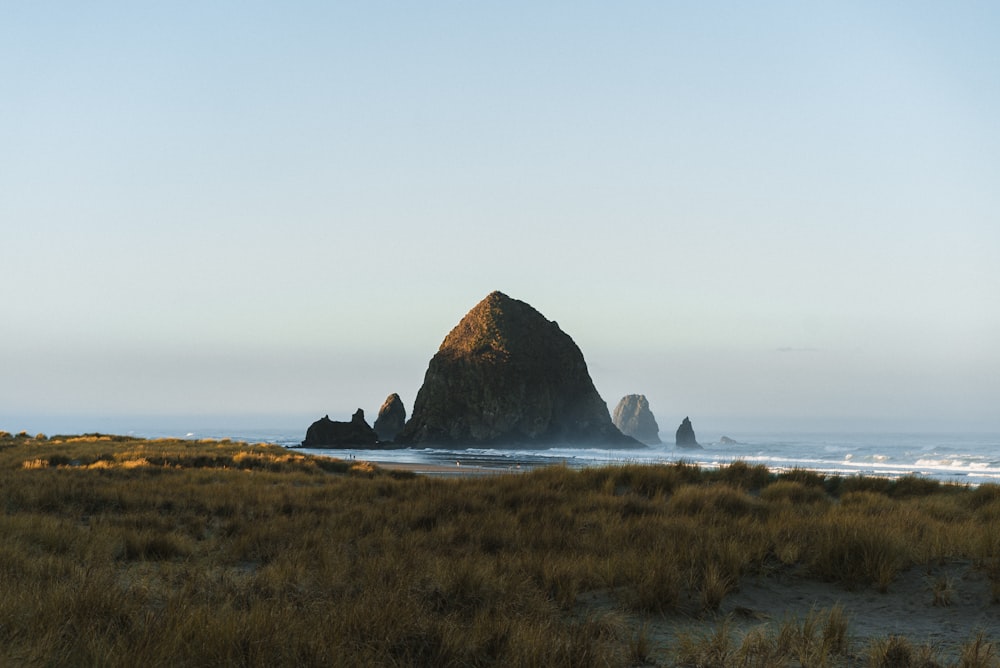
775,212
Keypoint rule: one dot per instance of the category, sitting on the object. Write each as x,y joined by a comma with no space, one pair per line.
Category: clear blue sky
274,211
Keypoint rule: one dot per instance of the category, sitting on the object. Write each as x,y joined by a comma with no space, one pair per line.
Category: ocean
963,457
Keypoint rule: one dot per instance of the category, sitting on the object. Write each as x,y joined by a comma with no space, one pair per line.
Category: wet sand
456,470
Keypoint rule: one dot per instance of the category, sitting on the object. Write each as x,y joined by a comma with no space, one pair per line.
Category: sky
260,213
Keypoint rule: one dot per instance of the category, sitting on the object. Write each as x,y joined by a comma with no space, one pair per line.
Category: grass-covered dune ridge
118,551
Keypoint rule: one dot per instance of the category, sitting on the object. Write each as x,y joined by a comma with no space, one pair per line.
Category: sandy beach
906,610
457,470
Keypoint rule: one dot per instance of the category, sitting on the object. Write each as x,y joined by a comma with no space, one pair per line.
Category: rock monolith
507,376
633,418
685,435
391,418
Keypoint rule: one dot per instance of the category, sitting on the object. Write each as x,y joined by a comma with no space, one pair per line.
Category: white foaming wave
956,463
942,462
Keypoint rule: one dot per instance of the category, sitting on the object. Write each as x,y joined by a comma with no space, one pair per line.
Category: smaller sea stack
633,418
326,433
685,435
391,418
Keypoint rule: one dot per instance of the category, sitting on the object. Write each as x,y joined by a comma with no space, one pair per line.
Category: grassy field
122,552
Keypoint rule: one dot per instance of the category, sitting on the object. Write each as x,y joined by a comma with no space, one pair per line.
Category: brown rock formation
685,435
391,418
326,433
633,418
506,375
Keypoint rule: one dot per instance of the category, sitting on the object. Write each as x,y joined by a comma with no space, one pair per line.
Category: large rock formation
391,418
507,376
326,433
685,435
633,418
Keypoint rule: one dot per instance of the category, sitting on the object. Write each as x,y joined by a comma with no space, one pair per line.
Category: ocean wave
971,459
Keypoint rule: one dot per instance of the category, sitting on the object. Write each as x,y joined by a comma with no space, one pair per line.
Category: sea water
968,457
964,457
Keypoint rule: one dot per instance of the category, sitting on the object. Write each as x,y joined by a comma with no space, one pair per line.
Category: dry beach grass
119,551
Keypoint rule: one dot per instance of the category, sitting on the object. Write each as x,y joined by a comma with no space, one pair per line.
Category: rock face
507,376
325,433
391,418
725,440
633,418
685,435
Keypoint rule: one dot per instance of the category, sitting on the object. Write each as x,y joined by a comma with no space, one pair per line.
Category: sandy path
907,608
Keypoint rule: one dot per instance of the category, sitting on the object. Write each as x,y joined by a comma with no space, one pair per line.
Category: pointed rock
506,375
685,435
391,418
633,418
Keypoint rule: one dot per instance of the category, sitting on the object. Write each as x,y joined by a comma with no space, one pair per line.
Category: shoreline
457,470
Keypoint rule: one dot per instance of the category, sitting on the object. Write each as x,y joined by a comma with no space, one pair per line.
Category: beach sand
907,609
456,470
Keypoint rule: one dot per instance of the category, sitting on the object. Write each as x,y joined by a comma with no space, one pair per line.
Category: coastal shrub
649,480
718,501
153,545
869,484
657,586
794,493
892,652
978,653
712,649
851,549
867,503
743,476
804,477
914,485
986,494
814,640
715,584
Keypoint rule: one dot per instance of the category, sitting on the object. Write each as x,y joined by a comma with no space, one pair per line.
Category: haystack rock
326,433
685,435
391,418
633,418
507,376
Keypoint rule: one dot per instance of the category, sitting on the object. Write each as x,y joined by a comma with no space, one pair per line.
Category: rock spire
391,418
685,435
633,418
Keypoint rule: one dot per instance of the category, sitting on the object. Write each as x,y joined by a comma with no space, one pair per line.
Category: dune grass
122,552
